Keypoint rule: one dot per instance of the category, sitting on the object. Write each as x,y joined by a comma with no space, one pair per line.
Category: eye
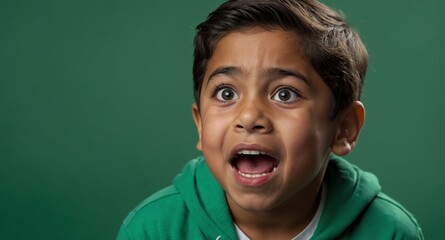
225,94
286,95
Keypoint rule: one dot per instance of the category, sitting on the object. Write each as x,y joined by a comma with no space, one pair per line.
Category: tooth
253,175
250,152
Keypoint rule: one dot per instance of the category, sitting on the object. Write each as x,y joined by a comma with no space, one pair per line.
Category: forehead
256,40
257,50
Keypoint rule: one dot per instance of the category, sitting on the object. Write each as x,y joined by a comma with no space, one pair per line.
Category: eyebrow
277,73
269,73
225,70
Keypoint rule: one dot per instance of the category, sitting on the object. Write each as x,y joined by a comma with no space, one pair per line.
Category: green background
95,108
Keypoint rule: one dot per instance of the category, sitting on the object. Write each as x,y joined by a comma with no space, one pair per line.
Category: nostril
258,127
253,128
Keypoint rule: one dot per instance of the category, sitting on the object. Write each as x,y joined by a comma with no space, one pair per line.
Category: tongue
255,164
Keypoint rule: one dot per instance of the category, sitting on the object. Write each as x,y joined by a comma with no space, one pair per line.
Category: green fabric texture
194,207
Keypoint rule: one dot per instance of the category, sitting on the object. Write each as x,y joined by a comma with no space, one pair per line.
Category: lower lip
253,182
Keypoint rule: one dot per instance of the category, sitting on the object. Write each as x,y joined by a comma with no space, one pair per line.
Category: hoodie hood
349,192
206,201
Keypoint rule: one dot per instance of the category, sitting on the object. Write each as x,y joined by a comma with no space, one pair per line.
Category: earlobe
197,118
348,128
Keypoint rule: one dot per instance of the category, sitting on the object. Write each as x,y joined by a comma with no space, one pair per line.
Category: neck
284,222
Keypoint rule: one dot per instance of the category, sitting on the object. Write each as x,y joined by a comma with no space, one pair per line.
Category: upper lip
251,147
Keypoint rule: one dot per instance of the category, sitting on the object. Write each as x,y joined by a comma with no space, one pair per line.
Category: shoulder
153,214
155,204
164,214
167,201
387,209
359,208
386,216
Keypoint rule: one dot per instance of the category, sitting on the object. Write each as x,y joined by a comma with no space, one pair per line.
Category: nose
253,118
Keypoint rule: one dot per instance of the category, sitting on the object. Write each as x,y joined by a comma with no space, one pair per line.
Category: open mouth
253,163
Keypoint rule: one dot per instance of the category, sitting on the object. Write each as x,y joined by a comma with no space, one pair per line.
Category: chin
252,202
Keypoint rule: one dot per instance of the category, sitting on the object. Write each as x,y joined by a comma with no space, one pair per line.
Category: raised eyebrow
225,70
275,73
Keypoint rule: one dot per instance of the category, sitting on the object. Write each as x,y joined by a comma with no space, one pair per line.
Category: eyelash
289,87
217,87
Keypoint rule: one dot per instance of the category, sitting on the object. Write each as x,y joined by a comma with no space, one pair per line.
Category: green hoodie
195,208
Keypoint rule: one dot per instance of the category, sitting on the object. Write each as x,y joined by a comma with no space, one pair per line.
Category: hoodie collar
350,190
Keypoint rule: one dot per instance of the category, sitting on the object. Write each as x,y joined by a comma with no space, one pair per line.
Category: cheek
305,156
300,139
306,142
214,138
214,130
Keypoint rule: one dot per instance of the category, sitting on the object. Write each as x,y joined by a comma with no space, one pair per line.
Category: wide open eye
225,94
285,95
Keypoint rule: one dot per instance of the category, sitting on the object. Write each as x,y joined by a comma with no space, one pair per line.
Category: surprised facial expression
264,120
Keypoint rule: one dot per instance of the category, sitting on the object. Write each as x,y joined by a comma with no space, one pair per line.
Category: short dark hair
328,42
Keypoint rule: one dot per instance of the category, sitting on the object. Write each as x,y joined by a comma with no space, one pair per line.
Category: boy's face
263,122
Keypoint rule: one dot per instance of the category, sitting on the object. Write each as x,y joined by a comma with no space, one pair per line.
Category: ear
197,119
349,124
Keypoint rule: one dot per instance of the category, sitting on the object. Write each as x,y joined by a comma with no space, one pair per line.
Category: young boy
277,86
